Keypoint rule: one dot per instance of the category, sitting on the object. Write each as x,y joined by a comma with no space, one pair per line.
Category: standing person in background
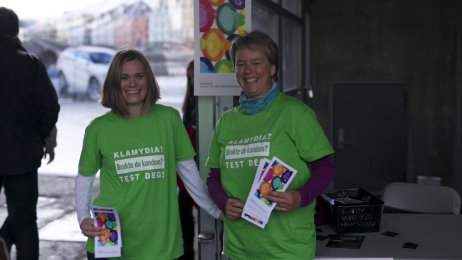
189,103
292,133
185,202
137,129
28,112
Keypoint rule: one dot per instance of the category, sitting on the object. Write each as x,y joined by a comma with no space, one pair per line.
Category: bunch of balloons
220,23
108,221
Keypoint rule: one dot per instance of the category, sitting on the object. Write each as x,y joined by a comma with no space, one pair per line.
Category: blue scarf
254,105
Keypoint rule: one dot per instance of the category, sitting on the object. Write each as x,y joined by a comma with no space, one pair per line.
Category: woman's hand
233,208
89,230
285,200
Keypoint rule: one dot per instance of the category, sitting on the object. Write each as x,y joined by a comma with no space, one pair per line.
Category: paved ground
59,235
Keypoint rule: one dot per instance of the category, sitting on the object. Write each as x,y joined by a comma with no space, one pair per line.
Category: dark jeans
20,226
91,256
185,204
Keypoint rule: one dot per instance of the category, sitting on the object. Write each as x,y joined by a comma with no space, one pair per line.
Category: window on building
287,22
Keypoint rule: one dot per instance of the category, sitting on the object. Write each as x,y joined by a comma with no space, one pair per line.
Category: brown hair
112,96
257,40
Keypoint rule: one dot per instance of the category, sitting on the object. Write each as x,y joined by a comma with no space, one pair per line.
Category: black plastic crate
353,211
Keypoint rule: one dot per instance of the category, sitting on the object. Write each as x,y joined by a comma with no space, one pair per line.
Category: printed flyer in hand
109,244
274,175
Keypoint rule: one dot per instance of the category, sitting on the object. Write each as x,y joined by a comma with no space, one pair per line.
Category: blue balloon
206,65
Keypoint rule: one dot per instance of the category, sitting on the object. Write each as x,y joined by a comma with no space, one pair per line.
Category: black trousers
20,226
91,256
185,204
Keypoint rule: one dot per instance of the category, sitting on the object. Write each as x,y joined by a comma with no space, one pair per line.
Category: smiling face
253,72
133,84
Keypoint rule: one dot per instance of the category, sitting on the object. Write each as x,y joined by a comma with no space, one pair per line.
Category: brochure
109,244
274,175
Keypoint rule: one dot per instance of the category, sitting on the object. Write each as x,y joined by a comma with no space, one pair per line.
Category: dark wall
416,41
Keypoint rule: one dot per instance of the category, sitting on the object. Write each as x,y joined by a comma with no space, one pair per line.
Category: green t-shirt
136,159
289,130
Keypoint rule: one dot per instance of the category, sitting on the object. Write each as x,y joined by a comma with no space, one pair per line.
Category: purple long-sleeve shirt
322,174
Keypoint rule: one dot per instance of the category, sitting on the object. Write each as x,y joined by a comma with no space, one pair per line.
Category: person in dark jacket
28,112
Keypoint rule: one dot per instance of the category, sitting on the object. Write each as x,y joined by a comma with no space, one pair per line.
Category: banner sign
216,24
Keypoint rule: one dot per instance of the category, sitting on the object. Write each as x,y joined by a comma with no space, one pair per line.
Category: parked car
82,69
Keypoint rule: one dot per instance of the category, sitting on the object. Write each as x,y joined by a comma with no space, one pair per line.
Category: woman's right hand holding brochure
89,229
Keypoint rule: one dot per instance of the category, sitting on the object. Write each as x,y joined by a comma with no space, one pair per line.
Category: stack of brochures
274,175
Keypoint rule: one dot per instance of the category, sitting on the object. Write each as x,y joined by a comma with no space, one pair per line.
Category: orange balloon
105,236
102,216
278,169
216,2
214,44
265,188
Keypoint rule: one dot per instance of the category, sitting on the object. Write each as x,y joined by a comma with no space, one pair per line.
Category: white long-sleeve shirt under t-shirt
188,172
